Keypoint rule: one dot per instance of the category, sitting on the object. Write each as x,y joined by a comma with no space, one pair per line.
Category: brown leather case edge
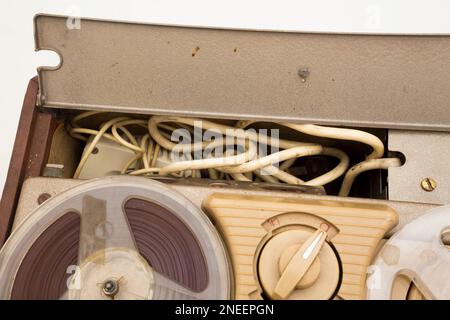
29,155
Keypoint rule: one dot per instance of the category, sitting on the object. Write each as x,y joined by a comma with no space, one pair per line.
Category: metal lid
389,81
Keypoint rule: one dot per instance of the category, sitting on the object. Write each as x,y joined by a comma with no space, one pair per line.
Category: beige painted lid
389,81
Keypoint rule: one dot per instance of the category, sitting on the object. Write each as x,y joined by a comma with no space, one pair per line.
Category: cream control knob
296,259
299,264
310,276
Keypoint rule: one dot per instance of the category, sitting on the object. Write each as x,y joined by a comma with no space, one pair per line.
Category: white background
18,61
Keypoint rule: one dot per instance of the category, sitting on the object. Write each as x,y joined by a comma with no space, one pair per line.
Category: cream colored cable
325,178
117,138
240,177
334,133
209,125
342,134
318,181
92,145
150,150
91,132
287,164
153,129
213,174
238,171
133,145
84,115
336,172
218,162
155,155
266,178
278,174
144,146
373,164
108,136
287,177
144,171
74,123
129,163
114,137
73,132
156,121
274,158
328,132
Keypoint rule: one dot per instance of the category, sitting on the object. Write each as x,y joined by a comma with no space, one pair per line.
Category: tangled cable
243,159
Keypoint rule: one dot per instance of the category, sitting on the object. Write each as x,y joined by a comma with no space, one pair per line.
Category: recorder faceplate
246,219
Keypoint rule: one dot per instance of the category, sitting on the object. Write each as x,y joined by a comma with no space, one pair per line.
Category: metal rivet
43,197
110,288
445,237
303,73
428,184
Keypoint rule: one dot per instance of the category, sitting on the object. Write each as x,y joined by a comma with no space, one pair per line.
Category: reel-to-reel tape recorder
254,240
213,183
150,240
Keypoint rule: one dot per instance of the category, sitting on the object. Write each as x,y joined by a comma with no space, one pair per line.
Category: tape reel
116,238
414,262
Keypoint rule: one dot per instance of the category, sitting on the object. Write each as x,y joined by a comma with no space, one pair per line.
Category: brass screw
428,184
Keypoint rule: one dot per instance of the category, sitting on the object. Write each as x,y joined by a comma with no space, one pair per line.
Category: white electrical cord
372,164
342,134
155,122
87,152
242,166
